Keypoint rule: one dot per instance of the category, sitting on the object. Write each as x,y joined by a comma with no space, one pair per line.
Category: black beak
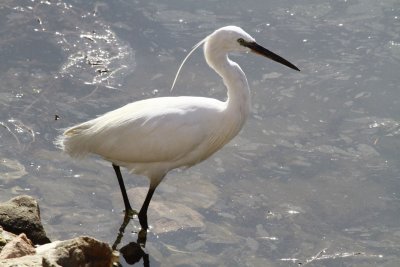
258,49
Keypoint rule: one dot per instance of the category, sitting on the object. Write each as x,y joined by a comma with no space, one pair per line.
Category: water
313,178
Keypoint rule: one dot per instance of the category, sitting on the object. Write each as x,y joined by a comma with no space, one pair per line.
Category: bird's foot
130,213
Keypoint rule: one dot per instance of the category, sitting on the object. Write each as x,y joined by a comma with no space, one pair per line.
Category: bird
153,136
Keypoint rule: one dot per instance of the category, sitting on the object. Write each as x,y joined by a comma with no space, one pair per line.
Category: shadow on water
134,251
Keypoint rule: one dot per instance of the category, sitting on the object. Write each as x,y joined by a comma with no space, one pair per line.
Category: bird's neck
235,80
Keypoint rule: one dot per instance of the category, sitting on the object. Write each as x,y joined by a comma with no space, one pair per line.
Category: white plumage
153,136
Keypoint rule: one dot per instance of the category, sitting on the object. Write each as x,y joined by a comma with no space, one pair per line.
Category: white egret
153,136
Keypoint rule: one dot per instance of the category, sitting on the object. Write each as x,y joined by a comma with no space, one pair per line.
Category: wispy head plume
184,60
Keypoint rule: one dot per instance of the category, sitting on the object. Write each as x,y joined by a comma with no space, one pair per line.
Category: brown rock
77,252
22,215
80,251
26,261
18,247
5,237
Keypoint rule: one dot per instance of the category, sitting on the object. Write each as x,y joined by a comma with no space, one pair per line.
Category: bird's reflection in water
132,252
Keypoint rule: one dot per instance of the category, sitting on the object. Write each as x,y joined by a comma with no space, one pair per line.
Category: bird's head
229,39
234,39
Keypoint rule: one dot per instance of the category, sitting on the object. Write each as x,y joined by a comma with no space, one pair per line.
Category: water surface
312,179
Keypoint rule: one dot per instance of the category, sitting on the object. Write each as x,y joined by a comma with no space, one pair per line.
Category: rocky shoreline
23,241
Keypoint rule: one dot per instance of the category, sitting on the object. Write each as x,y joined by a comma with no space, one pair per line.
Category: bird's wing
144,133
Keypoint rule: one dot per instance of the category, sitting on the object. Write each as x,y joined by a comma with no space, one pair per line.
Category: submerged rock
166,216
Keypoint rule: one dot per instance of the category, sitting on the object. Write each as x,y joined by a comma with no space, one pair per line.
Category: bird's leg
121,232
143,211
128,209
142,238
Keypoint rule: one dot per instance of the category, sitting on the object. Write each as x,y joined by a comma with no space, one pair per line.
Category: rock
18,247
26,261
22,215
166,216
5,237
80,251
132,253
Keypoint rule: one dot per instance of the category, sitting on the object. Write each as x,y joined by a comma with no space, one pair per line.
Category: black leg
128,209
121,231
143,211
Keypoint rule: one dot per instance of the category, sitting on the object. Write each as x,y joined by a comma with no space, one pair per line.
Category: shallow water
313,178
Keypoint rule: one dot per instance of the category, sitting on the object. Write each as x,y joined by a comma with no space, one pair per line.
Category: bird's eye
241,41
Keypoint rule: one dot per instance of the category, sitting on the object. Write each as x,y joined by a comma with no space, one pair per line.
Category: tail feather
73,141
